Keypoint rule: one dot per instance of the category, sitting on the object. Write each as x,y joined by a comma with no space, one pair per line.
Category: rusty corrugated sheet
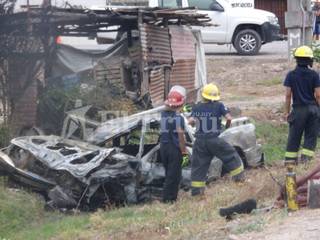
278,7
155,44
157,86
184,58
182,43
183,73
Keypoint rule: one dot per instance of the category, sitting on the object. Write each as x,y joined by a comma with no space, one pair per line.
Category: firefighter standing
172,143
303,88
207,118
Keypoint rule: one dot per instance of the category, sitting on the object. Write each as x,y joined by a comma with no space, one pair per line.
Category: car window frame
222,8
160,4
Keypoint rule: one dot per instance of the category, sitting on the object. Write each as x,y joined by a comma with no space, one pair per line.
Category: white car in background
244,27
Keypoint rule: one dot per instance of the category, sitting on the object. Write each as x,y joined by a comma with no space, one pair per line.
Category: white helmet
179,89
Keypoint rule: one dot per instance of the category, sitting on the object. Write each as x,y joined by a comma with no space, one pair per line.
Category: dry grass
189,218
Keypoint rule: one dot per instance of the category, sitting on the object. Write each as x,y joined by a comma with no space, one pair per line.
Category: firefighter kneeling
206,116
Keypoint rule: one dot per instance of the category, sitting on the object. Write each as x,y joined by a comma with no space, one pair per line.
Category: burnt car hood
71,173
116,127
78,158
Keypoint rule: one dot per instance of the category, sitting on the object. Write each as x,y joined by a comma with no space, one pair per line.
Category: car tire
247,42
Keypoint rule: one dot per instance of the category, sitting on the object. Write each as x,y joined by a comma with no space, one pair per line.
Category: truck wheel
247,42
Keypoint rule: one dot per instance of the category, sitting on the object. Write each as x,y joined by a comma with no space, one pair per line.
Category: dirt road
269,50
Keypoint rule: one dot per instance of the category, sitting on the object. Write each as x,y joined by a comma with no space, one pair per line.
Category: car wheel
247,42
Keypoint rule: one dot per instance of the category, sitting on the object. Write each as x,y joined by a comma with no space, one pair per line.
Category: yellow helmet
303,51
211,92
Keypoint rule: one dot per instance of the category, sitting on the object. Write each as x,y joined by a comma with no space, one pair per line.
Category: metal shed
278,7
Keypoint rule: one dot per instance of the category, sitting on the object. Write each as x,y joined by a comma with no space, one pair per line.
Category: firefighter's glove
187,108
185,160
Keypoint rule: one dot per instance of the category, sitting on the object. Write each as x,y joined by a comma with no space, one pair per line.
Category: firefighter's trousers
204,150
171,158
303,120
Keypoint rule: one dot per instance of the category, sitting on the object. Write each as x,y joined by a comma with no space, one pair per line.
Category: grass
22,217
271,82
17,209
273,138
241,98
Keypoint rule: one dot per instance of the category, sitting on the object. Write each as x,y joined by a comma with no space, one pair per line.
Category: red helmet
175,99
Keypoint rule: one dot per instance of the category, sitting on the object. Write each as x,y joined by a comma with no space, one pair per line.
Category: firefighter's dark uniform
304,117
208,145
170,153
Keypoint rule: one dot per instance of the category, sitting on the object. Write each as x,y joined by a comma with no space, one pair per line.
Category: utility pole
299,23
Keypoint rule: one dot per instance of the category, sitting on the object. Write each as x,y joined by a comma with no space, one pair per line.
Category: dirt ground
255,86
250,83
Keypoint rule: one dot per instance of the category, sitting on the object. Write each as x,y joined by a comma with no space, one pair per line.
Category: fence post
299,22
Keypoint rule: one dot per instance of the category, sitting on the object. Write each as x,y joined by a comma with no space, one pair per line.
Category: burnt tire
247,42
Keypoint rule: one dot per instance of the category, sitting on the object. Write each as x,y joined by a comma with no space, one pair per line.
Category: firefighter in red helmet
172,143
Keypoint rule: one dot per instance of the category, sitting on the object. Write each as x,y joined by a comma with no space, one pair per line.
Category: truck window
170,3
204,4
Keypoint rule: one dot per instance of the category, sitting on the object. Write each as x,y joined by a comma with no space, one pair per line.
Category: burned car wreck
118,164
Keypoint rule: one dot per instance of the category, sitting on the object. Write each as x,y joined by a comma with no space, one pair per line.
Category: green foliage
4,136
22,216
271,82
17,210
273,139
254,226
316,51
69,226
53,104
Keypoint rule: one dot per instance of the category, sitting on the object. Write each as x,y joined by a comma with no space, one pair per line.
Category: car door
218,15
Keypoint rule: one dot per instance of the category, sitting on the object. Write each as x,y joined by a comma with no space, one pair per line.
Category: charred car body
119,163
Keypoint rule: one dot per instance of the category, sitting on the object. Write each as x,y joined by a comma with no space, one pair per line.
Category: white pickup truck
246,28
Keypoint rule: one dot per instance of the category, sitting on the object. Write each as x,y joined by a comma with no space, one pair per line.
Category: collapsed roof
85,22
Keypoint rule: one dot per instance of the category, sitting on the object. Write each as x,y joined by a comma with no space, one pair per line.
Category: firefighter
173,151
303,89
207,116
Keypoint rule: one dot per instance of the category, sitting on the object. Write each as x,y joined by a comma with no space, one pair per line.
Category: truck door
218,16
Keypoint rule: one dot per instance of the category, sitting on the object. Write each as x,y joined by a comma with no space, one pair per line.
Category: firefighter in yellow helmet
303,90
206,116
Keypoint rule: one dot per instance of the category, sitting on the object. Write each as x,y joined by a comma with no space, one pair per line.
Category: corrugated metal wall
167,47
157,86
278,7
184,58
155,44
